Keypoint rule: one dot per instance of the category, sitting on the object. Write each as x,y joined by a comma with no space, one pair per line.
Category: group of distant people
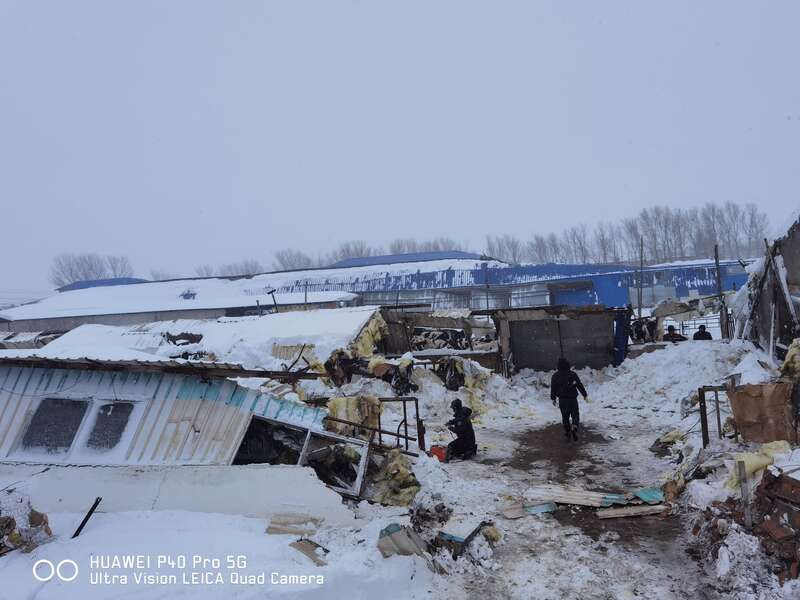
673,336
645,330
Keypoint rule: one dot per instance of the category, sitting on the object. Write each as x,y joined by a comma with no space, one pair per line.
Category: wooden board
632,511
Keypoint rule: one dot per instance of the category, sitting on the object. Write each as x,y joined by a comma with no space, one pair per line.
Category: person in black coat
673,336
701,334
564,386
464,445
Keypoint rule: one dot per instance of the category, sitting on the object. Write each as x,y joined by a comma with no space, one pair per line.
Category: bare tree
249,266
162,275
204,271
754,230
440,244
352,249
403,246
577,242
68,268
119,266
410,245
505,247
556,248
537,250
602,243
288,259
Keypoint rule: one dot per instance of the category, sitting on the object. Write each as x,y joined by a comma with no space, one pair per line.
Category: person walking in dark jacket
564,386
464,445
701,334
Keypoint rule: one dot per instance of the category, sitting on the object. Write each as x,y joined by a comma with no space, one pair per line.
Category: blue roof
391,259
90,283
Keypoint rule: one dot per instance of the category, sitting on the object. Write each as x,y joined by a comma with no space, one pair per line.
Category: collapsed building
767,307
186,393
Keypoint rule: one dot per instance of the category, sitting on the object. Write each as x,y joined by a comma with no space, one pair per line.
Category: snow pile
661,379
742,299
355,568
755,368
739,568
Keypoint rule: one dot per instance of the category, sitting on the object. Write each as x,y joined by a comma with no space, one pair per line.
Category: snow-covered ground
566,554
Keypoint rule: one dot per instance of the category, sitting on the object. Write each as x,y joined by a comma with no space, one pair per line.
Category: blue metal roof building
529,285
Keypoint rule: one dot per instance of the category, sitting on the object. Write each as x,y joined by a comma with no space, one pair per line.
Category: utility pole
723,310
641,274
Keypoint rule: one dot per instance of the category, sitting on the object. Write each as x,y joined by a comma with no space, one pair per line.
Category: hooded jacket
565,383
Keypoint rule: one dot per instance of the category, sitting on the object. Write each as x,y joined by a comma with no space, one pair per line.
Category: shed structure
535,338
767,308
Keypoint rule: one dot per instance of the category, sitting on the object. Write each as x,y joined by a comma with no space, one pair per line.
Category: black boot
566,433
574,433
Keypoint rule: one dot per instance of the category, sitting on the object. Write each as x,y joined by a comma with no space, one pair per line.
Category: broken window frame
363,446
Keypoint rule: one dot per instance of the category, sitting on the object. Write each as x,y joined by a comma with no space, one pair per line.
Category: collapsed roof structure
180,393
269,342
767,307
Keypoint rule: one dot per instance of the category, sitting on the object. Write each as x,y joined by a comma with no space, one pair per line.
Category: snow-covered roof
220,292
159,296
250,342
696,262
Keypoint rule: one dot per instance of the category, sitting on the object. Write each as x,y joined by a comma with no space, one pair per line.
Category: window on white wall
54,425
109,425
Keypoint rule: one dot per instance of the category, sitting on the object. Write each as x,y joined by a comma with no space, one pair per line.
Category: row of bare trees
668,234
68,268
295,259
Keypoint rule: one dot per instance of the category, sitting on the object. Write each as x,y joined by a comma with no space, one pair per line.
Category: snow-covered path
571,553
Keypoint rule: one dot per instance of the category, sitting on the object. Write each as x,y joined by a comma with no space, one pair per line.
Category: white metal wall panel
177,419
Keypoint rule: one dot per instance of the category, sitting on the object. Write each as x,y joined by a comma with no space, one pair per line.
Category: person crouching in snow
565,385
461,424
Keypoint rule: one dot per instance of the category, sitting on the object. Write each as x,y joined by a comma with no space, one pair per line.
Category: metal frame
701,392
357,489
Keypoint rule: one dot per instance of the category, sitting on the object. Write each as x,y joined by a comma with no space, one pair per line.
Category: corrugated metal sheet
572,495
177,418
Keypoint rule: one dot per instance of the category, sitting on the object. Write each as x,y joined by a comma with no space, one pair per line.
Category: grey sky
188,132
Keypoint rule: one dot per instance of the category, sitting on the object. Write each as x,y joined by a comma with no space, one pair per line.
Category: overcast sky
187,132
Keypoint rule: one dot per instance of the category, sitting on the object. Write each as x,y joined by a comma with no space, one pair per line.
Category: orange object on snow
439,452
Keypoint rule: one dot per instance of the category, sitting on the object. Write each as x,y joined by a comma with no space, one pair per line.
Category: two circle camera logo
45,570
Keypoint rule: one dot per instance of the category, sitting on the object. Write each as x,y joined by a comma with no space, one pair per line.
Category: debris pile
22,527
778,510
395,484
363,409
